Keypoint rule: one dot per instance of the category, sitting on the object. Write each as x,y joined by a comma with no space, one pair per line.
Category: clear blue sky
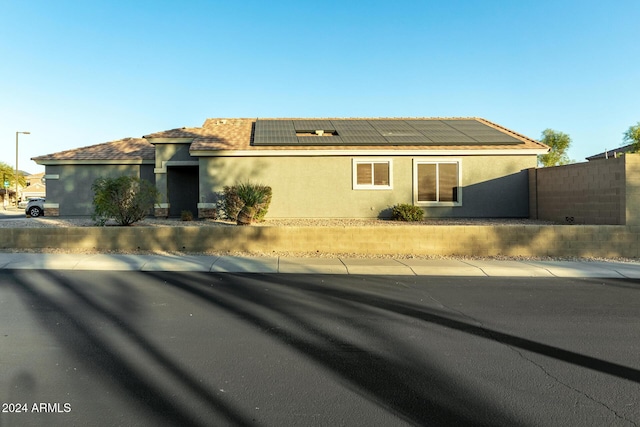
77,73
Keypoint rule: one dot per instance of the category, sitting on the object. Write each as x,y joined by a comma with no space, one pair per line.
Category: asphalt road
207,349
13,214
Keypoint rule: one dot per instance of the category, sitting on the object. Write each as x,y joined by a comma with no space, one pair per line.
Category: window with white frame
437,182
372,174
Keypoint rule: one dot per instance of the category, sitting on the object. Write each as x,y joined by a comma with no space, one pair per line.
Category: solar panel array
378,132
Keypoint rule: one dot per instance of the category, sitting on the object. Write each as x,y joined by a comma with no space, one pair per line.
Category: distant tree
559,143
8,173
632,136
126,199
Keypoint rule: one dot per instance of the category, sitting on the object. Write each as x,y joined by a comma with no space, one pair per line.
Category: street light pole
17,133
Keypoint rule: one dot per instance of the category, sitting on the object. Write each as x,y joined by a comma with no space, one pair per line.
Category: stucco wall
604,191
71,190
168,156
172,152
314,187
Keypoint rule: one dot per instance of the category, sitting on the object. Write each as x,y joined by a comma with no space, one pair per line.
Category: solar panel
407,139
349,124
350,132
320,140
364,140
439,132
481,132
358,132
313,125
391,127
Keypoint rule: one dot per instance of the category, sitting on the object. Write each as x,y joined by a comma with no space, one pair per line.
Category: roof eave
320,153
57,162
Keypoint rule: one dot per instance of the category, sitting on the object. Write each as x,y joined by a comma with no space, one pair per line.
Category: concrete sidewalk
384,266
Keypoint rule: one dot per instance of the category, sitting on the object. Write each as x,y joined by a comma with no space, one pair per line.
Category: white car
35,208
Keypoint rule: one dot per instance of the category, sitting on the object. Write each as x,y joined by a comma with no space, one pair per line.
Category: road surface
214,349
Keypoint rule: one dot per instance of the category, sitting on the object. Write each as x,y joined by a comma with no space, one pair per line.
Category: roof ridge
359,118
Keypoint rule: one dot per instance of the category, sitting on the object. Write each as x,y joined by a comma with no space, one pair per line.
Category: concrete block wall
498,240
596,192
632,190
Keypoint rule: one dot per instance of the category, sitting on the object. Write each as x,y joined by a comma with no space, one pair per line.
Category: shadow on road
386,368
68,309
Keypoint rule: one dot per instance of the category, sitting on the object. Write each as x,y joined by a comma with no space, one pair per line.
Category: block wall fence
603,191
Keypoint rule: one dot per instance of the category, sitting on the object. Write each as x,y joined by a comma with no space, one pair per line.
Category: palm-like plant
255,199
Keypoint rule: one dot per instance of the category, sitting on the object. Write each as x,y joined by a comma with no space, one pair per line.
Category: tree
559,143
632,136
9,173
126,199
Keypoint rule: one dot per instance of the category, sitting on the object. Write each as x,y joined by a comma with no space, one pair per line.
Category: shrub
406,212
255,202
263,207
253,198
231,203
126,199
186,216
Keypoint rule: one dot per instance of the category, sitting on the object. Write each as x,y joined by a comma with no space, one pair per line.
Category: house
36,186
629,148
317,168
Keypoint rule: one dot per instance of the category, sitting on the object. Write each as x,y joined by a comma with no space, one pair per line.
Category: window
372,174
437,183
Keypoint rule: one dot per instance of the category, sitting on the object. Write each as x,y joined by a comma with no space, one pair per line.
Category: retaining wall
461,240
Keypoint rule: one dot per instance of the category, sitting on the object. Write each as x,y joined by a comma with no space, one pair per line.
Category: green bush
126,199
186,216
253,198
406,212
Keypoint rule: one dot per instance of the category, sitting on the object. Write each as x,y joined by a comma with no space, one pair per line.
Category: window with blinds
437,182
371,174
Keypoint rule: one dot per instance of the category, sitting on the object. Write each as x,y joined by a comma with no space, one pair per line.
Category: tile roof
237,134
215,134
122,149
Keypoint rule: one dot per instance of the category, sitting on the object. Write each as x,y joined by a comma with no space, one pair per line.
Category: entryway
183,190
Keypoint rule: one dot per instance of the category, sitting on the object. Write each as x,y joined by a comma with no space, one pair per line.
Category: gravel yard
349,222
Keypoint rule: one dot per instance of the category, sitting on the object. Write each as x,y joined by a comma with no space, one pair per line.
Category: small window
372,174
437,183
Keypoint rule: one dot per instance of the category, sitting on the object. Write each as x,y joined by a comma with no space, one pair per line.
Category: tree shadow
54,300
412,387
339,323
377,365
